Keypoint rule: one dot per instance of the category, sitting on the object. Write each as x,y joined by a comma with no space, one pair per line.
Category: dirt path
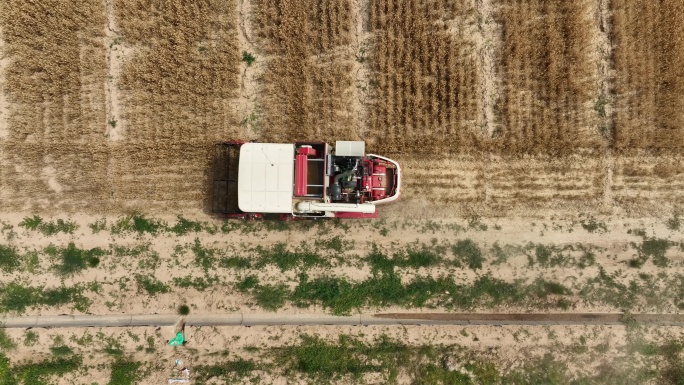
117,53
4,105
359,47
396,319
488,43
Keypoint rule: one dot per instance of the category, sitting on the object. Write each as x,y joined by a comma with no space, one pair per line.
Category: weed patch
335,243
15,297
276,225
410,258
500,255
655,248
98,225
591,225
9,259
137,223
197,283
227,371
244,227
247,283
285,259
122,251
38,373
6,342
319,359
30,338
31,223
270,297
184,226
61,350
48,228
248,58
606,289
418,258
204,257
332,293
72,260
8,229
124,373
349,359
234,263
468,253
151,285
379,261
675,222
386,288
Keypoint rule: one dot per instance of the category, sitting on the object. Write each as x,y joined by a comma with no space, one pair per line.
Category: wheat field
176,90
548,77
649,51
54,84
423,75
113,106
307,83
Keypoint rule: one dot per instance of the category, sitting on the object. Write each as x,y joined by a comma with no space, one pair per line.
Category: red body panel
305,150
357,215
378,194
301,170
366,183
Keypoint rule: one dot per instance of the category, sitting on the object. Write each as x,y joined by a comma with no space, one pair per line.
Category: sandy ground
613,244
510,347
503,345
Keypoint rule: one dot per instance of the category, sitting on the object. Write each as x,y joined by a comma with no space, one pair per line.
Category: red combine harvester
302,180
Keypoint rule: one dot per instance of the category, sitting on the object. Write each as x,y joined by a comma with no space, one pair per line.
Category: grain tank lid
265,178
350,148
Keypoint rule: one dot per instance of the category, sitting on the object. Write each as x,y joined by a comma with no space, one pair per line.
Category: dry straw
548,77
177,90
307,85
424,77
649,60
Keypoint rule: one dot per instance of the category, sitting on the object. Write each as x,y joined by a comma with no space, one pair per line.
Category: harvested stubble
548,76
423,79
159,174
652,182
447,181
544,181
307,83
649,61
64,176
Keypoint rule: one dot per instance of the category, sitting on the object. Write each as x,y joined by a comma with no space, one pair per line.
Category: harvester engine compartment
358,179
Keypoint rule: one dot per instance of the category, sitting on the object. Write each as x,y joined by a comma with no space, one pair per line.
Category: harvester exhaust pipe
311,206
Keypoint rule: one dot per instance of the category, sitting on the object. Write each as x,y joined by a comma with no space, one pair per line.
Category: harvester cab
302,180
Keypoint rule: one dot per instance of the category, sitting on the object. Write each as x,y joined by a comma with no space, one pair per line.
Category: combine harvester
302,180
